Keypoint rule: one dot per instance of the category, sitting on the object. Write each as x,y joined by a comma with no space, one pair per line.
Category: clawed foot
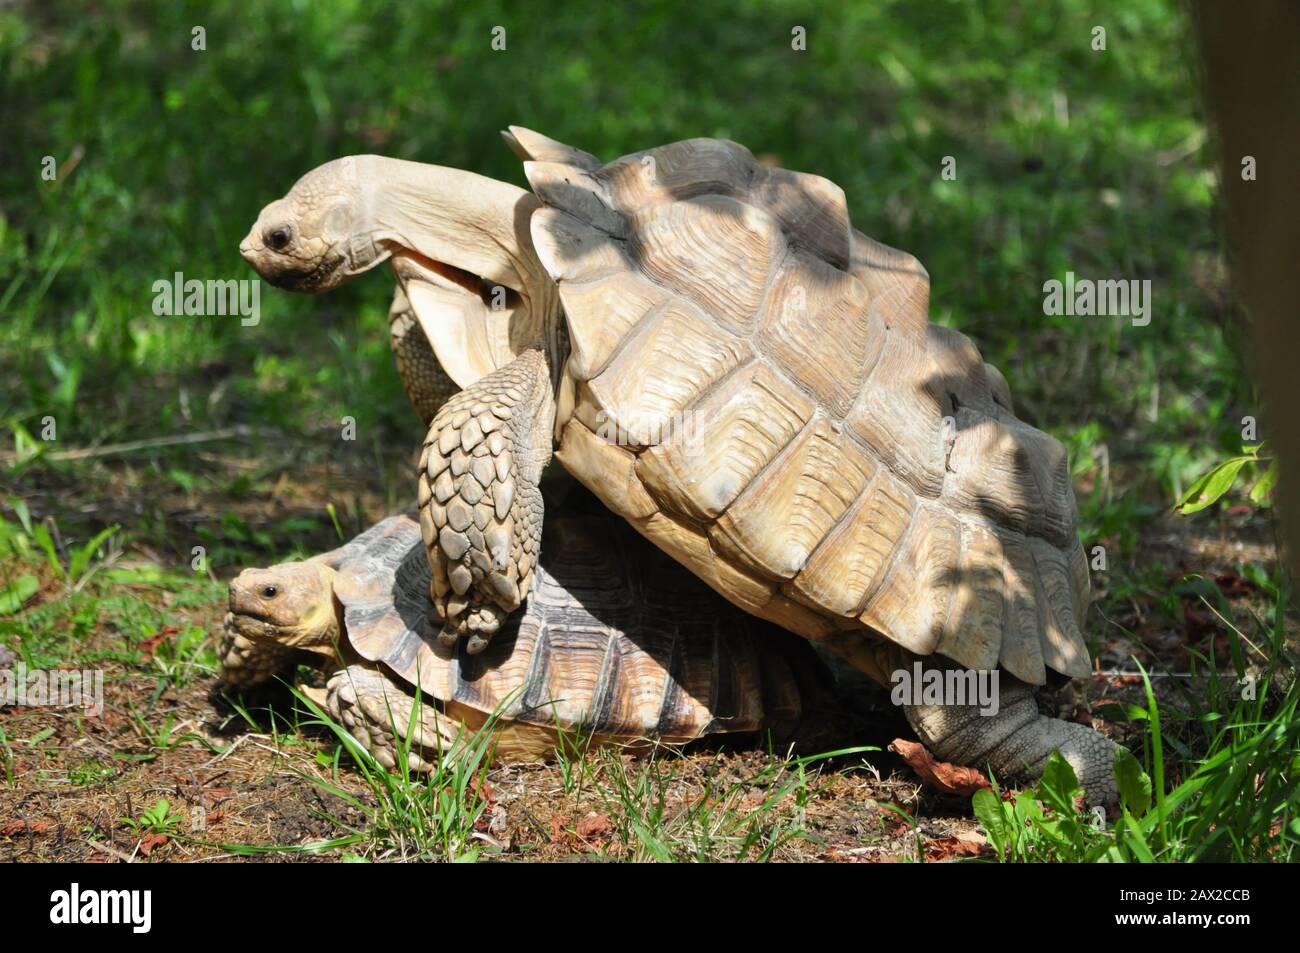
386,721
475,624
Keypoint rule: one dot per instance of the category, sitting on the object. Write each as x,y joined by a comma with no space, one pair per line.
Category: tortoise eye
278,237
270,592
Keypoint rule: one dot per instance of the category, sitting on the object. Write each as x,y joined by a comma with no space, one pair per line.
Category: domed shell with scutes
614,638
791,427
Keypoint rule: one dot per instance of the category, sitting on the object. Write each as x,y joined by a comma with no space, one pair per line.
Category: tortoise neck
476,225
321,629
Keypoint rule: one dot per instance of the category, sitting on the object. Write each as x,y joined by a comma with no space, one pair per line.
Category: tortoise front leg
480,505
381,716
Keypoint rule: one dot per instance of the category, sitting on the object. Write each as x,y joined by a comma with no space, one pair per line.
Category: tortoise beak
250,247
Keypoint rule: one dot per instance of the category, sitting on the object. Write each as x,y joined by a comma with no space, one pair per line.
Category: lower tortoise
615,640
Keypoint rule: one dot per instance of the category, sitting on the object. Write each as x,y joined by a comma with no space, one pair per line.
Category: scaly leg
480,505
1017,741
377,712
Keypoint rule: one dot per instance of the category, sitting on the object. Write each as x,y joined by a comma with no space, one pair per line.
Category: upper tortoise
727,363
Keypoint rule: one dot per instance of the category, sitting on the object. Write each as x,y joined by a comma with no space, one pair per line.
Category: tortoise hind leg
1017,740
480,504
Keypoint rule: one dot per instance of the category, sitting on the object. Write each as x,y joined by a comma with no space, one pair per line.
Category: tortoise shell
789,424
614,638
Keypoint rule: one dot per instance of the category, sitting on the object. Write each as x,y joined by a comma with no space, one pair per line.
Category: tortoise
616,641
752,383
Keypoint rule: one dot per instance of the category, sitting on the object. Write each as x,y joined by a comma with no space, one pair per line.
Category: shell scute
678,171
899,415
646,387
787,511
731,435
813,329
913,601
812,210
717,252
851,562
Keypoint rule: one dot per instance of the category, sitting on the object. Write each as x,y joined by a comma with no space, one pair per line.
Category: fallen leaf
594,825
946,848
484,790
151,841
557,826
149,646
940,775
16,828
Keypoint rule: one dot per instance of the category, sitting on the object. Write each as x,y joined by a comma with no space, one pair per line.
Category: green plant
18,542
746,819
6,758
90,771
412,817
1238,803
1041,824
1211,486
158,819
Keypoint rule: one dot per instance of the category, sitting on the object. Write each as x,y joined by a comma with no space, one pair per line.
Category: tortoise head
313,239
459,243
291,604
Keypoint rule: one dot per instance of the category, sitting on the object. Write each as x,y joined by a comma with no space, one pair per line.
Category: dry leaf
151,841
946,848
940,775
557,826
16,828
594,825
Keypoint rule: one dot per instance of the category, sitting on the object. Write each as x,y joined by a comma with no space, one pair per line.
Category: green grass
85,591
1229,793
749,819
411,816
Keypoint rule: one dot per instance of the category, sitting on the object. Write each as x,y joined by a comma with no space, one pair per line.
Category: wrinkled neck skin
321,634
460,245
